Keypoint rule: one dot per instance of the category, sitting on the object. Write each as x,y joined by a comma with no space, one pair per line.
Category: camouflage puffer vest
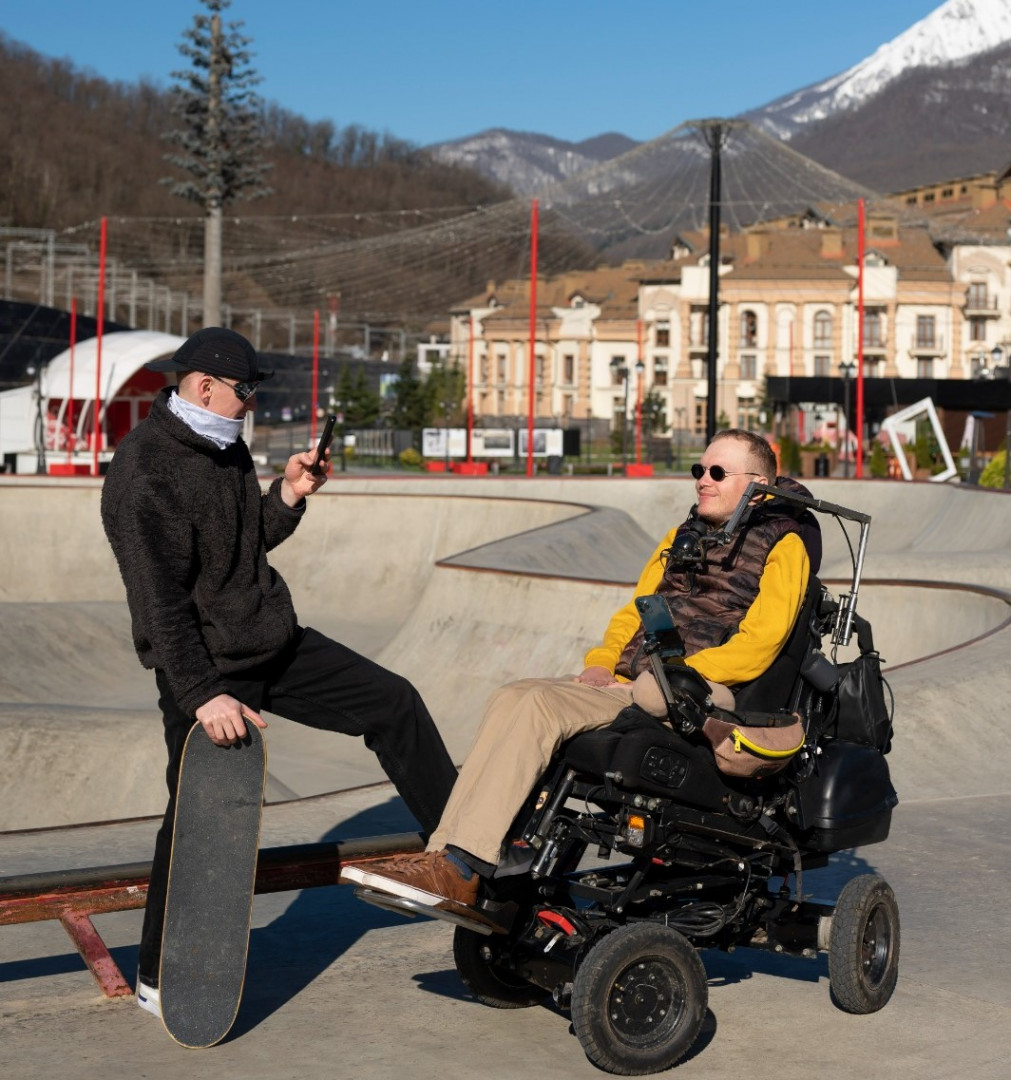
710,601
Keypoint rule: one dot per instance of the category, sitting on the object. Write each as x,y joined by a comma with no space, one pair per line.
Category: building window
873,334
925,335
977,328
749,330
663,334
872,368
500,364
659,370
823,330
569,367
925,369
699,329
616,365
746,413
542,370
822,365
976,297
748,366
484,369
700,416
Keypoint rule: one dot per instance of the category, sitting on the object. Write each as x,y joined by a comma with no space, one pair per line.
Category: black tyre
639,999
863,953
478,960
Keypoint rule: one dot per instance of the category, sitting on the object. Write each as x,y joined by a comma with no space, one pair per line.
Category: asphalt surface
462,584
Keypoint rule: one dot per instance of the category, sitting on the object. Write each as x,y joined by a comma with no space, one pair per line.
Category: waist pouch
754,750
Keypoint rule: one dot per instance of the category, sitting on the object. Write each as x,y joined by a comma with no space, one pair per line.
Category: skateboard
210,891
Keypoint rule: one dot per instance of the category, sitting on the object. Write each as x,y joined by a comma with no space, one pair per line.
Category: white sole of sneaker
149,999
362,876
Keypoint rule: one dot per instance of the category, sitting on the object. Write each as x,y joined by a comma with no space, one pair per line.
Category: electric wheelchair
635,852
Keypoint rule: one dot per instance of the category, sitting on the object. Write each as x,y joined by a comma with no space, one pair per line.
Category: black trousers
325,685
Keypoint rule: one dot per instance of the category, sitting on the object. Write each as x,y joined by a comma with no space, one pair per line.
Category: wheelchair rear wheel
479,962
639,999
863,954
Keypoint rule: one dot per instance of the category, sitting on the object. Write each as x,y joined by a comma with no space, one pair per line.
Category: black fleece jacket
190,529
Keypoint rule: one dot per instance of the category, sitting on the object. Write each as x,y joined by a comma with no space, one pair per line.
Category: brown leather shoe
428,878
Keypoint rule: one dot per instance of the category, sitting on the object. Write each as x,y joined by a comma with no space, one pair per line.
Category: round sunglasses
716,472
242,390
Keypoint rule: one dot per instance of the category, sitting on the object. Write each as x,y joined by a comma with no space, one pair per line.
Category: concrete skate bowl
462,585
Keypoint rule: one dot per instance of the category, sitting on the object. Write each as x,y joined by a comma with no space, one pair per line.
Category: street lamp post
40,430
997,355
621,372
846,370
640,368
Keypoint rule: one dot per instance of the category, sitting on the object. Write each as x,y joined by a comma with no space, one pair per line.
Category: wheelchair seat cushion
642,754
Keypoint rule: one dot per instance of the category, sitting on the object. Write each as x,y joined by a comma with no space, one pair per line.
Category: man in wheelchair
735,612
719,650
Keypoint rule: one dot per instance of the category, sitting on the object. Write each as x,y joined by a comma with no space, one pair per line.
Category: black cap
215,351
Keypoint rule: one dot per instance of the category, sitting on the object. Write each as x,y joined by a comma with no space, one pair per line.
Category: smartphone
658,622
324,442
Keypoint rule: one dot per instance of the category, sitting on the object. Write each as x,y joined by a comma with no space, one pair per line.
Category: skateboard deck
210,892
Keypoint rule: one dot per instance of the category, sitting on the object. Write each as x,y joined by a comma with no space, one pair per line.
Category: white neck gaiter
221,430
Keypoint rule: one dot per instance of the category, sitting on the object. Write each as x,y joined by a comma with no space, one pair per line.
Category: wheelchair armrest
685,693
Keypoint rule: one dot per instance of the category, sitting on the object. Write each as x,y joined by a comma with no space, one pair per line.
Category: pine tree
219,139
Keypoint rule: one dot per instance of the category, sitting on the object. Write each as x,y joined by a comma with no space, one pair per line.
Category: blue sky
434,71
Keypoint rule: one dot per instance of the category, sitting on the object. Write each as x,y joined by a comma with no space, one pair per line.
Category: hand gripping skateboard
210,892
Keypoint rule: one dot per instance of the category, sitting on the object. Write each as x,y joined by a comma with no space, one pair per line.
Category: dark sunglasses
243,390
716,472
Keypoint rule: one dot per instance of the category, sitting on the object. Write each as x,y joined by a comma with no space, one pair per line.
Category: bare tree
219,138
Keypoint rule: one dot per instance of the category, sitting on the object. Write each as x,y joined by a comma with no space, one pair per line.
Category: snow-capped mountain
955,31
528,163
928,105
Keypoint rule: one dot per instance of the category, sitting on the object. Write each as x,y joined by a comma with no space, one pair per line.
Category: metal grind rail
74,896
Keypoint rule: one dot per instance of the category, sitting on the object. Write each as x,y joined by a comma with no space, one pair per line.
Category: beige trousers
524,724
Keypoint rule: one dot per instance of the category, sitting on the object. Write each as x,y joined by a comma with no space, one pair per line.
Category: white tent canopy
123,355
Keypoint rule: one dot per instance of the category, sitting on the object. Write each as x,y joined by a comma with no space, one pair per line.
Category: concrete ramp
461,585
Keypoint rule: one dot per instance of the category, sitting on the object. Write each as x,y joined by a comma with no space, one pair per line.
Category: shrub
789,456
879,460
993,475
410,458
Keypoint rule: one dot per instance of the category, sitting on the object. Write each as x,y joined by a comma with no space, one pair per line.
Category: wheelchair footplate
489,919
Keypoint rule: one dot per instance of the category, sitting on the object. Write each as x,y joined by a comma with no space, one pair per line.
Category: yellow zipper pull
737,741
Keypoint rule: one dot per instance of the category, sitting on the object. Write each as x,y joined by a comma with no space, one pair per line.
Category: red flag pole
861,229
70,391
533,337
470,391
638,394
315,375
96,427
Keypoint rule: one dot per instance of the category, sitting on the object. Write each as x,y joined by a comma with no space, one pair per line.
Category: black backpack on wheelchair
636,852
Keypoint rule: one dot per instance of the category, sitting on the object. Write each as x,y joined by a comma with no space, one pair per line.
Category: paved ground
433,577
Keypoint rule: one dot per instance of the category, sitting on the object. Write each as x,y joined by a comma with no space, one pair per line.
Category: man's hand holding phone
305,473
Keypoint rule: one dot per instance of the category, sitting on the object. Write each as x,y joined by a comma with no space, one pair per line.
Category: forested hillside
74,146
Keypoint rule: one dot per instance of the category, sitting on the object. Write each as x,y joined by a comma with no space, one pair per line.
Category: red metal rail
74,896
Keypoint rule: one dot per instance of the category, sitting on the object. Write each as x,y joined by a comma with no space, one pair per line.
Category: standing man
735,614
190,529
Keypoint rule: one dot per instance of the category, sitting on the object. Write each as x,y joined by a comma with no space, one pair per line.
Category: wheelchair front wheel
639,999
480,965
863,952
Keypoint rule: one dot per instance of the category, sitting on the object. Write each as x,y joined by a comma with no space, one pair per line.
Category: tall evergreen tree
219,137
